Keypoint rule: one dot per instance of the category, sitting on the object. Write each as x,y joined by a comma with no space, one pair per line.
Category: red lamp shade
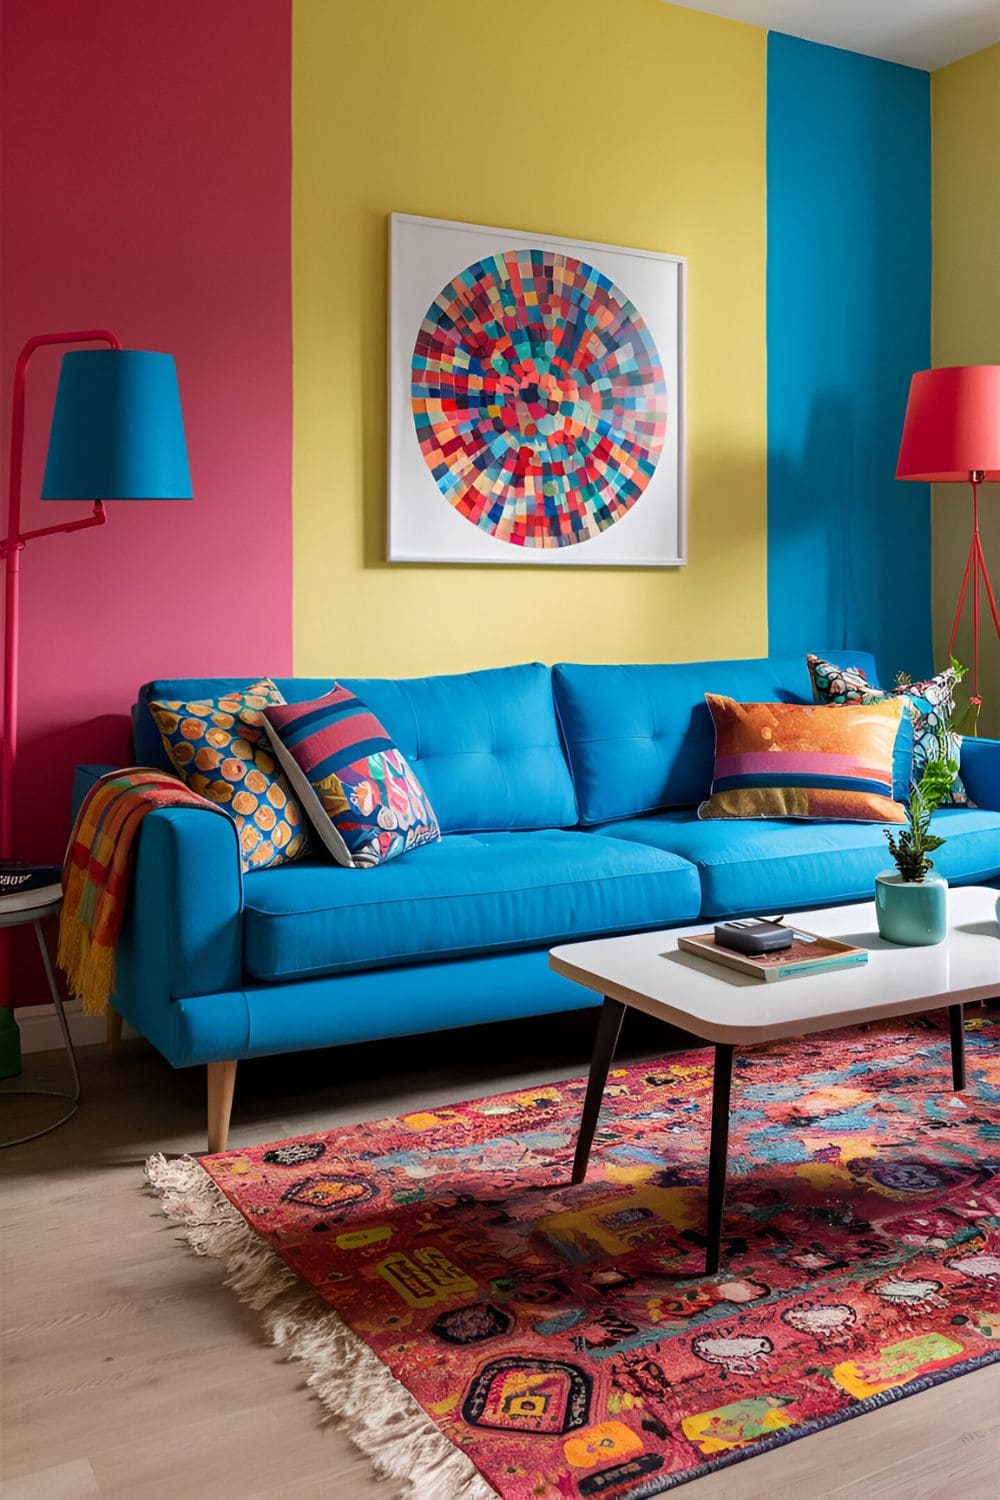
952,424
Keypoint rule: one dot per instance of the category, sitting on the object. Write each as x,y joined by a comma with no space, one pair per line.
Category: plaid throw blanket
96,872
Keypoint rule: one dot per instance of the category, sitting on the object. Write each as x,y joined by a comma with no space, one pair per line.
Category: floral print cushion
356,786
933,703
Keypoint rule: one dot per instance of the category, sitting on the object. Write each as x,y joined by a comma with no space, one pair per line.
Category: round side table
36,915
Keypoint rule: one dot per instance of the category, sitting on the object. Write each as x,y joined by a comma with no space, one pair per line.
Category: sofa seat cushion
471,893
771,866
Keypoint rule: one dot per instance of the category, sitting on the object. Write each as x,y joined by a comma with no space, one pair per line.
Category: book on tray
23,885
809,954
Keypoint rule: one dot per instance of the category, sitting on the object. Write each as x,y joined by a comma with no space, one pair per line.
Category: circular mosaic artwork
539,398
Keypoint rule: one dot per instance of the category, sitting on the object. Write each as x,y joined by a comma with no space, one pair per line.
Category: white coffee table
646,971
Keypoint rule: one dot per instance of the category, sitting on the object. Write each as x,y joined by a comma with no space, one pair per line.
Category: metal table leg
74,1097
718,1154
608,1029
956,1020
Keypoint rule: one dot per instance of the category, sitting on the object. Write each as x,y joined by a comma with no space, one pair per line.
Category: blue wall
848,321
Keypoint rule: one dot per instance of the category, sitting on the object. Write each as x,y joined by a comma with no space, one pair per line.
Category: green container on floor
911,912
10,1044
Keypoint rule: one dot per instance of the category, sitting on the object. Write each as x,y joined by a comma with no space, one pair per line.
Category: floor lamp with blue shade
117,433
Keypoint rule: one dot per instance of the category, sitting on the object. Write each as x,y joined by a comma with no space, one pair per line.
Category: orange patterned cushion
803,760
220,748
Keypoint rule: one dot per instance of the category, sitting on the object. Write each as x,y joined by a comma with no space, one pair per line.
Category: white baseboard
40,1032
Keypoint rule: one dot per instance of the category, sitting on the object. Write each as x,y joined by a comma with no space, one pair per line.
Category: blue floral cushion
933,703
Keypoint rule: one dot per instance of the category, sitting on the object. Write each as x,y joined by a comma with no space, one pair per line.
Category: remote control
753,935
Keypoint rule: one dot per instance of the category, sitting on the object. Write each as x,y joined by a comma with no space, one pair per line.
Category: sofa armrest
980,769
183,931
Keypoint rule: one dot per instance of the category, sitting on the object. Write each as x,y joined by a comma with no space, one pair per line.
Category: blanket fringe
349,1379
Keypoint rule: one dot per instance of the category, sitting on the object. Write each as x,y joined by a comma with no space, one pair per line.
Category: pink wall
145,178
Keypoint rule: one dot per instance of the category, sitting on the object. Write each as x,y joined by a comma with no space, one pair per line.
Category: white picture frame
424,525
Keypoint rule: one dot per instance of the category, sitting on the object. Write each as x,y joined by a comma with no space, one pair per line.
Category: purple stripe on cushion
801,762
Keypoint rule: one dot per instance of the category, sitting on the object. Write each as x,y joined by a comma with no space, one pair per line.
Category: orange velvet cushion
802,760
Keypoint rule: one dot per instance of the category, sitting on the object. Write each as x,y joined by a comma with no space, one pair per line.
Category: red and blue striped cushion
355,784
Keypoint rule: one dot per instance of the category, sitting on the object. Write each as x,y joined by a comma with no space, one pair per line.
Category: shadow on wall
845,543
814,510
42,830
42,826
374,397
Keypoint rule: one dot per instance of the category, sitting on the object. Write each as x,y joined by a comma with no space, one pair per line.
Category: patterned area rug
561,1341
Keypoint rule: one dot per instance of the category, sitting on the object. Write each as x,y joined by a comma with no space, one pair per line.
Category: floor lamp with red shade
951,434
117,433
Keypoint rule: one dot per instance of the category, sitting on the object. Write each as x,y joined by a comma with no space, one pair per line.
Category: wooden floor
130,1371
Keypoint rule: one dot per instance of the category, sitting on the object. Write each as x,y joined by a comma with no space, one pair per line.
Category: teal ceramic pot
913,912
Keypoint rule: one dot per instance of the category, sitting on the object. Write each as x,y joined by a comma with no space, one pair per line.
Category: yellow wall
965,111
639,124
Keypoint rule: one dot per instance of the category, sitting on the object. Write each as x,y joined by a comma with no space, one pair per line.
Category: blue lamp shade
117,430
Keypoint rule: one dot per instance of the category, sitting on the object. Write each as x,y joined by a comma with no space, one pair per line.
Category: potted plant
911,903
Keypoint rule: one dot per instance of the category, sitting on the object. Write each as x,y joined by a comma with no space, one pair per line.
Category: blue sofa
567,798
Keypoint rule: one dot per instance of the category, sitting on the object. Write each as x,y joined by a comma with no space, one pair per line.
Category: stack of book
23,886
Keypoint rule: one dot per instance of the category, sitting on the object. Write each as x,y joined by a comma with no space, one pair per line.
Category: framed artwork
536,399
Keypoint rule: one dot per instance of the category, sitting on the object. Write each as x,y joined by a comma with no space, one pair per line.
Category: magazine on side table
24,886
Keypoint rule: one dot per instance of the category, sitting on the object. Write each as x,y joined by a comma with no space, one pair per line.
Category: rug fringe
349,1379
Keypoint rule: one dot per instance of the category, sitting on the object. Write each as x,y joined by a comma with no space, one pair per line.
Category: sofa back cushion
640,738
484,746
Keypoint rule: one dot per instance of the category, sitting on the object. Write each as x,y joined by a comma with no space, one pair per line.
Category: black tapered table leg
608,1027
956,1020
718,1153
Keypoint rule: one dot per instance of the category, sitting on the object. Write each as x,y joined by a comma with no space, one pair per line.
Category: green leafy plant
965,720
912,846
903,679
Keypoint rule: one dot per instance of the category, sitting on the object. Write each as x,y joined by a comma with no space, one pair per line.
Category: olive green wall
965,111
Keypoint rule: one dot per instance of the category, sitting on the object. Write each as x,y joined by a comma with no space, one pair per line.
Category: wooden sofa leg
114,1032
221,1078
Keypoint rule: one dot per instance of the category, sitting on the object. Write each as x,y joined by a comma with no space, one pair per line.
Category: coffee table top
647,971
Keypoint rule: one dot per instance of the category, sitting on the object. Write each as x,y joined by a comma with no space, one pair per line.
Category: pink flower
397,795
366,798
